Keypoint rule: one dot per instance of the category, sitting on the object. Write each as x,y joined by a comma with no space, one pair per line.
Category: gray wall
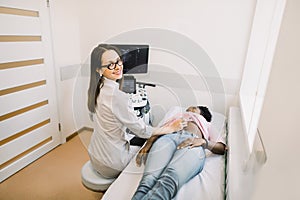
279,122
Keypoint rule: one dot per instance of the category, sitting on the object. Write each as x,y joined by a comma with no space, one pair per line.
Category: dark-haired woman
113,114
176,158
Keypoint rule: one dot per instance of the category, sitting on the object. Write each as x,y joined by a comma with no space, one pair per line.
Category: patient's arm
142,154
217,148
176,125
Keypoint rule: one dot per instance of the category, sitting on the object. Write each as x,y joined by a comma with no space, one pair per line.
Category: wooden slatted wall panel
26,115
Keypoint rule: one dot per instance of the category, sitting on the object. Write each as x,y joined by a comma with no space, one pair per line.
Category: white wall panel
258,63
220,28
28,4
27,159
28,119
29,74
30,96
15,147
19,25
18,51
20,122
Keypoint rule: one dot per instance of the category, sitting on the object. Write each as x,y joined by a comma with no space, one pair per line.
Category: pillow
217,129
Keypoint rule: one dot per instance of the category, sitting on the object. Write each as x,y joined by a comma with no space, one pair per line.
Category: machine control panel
139,98
138,95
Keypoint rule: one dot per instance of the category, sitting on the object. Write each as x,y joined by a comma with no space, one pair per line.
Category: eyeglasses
112,66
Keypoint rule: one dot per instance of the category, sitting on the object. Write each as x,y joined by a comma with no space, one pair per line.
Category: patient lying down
173,159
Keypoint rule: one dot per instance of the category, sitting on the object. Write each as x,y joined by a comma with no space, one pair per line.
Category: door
28,113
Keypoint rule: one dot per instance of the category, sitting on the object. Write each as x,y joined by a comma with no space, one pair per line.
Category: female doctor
109,148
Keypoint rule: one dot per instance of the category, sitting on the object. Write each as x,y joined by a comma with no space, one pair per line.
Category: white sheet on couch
209,184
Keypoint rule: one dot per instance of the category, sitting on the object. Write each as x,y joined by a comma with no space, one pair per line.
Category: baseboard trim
78,132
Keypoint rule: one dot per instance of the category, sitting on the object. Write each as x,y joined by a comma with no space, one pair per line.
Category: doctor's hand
177,125
173,126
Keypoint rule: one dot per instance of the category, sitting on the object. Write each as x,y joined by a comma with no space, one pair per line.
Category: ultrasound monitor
135,58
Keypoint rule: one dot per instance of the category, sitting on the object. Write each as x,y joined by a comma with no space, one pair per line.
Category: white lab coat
109,147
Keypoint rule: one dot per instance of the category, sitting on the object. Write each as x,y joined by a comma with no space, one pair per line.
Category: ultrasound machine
135,61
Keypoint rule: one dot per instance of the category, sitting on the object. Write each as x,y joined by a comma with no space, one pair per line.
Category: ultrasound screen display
128,84
135,58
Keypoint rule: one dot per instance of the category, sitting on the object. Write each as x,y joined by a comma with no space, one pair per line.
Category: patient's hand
192,142
142,154
141,157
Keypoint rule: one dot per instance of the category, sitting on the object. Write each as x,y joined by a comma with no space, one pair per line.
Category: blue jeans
168,168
